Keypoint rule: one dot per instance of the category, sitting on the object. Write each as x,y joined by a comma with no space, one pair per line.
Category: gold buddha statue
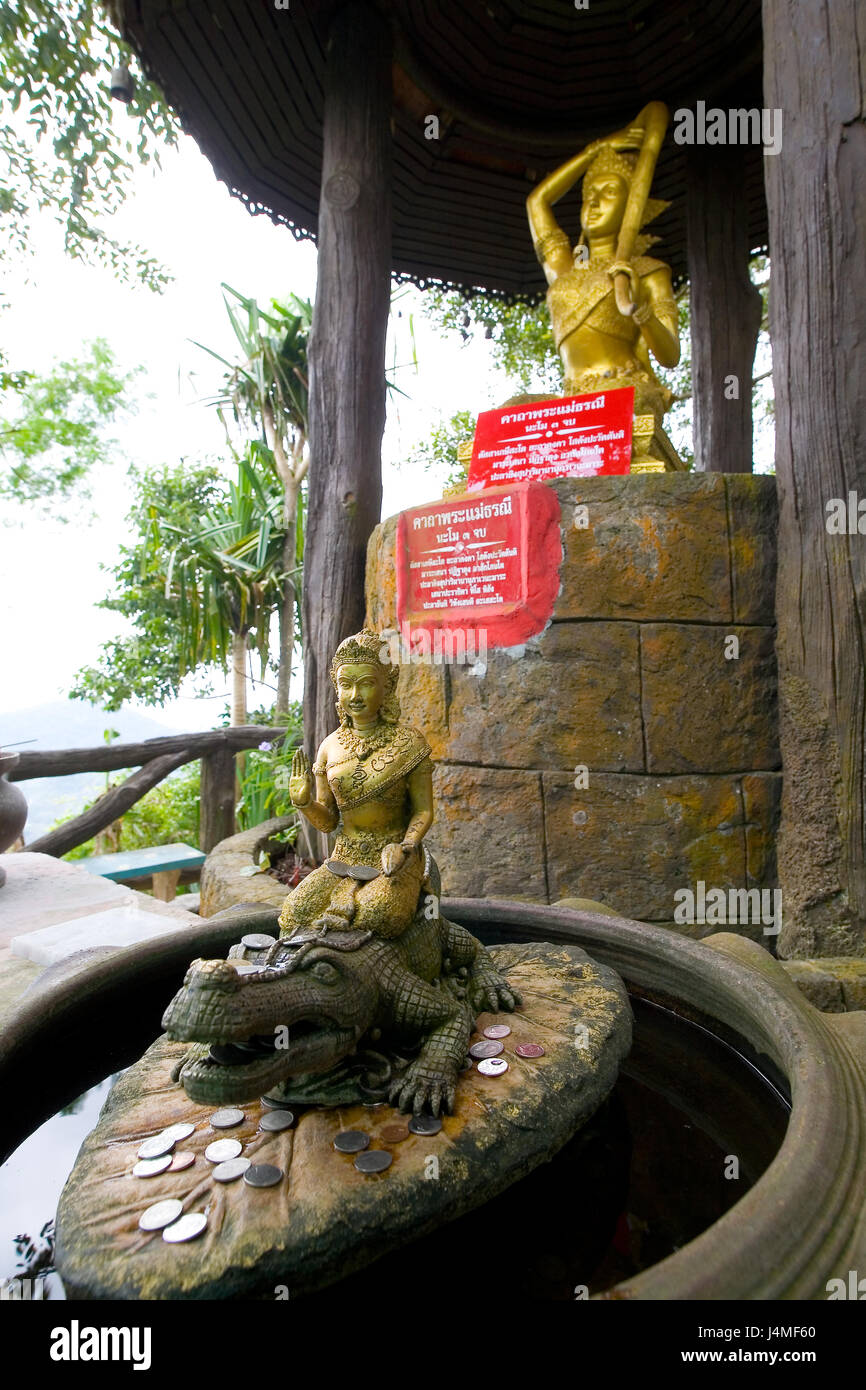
611,305
374,786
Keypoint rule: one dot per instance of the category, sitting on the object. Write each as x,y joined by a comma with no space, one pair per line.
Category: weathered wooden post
816,195
217,803
725,309
347,346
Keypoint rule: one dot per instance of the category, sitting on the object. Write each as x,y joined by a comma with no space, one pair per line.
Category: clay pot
13,808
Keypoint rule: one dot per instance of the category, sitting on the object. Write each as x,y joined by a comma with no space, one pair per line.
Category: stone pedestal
630,749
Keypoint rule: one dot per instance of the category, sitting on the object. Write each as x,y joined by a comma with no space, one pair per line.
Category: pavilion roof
518,86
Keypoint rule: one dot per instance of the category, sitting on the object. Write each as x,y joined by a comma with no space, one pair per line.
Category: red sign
570,437
488,561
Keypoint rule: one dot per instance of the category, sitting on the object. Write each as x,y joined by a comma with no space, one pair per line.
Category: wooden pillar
347,347
816,195
725,309
217,803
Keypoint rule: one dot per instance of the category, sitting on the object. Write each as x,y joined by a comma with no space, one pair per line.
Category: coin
263,1175
492,1066
257,940
424,1124
179,1131
497,1030
157,1146
187,1228
276,1120
221,1150
351,1141
227,1119
529,1050
394,1134
271,1104
376,1161
231,1169
488,1048
180,1159
149,1167
246,967
160,1214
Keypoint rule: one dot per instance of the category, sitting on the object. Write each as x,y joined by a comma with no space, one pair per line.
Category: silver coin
257,940
227,1119
179,1131
488,1048
187,1228
263,1175
149,1167
180,1159
157,1146
160,1214
275,1120
231,1169
221,1150
425,1124
270,1104
246,967
376,1161
497,1030
492,1066
351,1141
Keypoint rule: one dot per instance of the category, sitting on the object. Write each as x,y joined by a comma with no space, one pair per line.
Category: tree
55,96
146,664
267,394
55,433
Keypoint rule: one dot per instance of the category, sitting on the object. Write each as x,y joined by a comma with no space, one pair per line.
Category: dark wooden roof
518,85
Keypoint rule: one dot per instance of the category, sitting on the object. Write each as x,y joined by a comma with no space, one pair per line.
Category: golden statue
374,785
610,304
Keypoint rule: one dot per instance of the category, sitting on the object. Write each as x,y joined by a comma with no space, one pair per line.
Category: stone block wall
630,679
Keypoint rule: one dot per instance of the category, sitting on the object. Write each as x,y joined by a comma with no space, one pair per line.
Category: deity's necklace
362,744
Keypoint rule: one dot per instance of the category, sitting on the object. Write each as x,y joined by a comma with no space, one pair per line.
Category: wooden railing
155,759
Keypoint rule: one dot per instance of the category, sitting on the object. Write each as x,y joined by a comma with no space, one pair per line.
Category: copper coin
150,1167
275,1120
394,1134
180,1160
529,1050
497,1030
492,1066
351,1141
488,1048
376,1161
227,1118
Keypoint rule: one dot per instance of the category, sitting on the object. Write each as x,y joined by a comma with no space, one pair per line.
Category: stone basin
326,1219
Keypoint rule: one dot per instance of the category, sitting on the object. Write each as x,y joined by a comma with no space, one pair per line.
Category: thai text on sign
491,561
574,437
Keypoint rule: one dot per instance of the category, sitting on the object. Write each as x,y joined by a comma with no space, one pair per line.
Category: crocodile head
301,1016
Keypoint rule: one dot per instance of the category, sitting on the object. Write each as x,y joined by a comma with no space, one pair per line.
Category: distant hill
68,724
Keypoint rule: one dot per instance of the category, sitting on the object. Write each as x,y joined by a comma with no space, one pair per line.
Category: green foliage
168,813
65,144
55,433
519,334
439,449
146,663
264,779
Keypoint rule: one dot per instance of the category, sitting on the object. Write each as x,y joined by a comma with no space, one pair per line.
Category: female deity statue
610,304
374,787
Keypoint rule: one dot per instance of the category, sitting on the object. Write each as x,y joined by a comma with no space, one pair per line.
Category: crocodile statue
300,1008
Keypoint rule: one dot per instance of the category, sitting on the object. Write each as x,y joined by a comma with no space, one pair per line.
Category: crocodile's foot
490,992
425,1084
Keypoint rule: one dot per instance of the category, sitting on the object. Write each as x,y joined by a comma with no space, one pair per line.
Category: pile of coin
486,1052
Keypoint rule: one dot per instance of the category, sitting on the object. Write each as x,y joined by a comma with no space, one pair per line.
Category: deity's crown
610,161
364,648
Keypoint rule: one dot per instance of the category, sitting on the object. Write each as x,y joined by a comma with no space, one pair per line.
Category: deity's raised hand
300,782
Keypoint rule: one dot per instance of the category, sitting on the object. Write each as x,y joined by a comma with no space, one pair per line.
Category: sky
50,575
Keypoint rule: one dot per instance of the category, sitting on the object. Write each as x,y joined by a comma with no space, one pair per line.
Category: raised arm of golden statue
610,304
